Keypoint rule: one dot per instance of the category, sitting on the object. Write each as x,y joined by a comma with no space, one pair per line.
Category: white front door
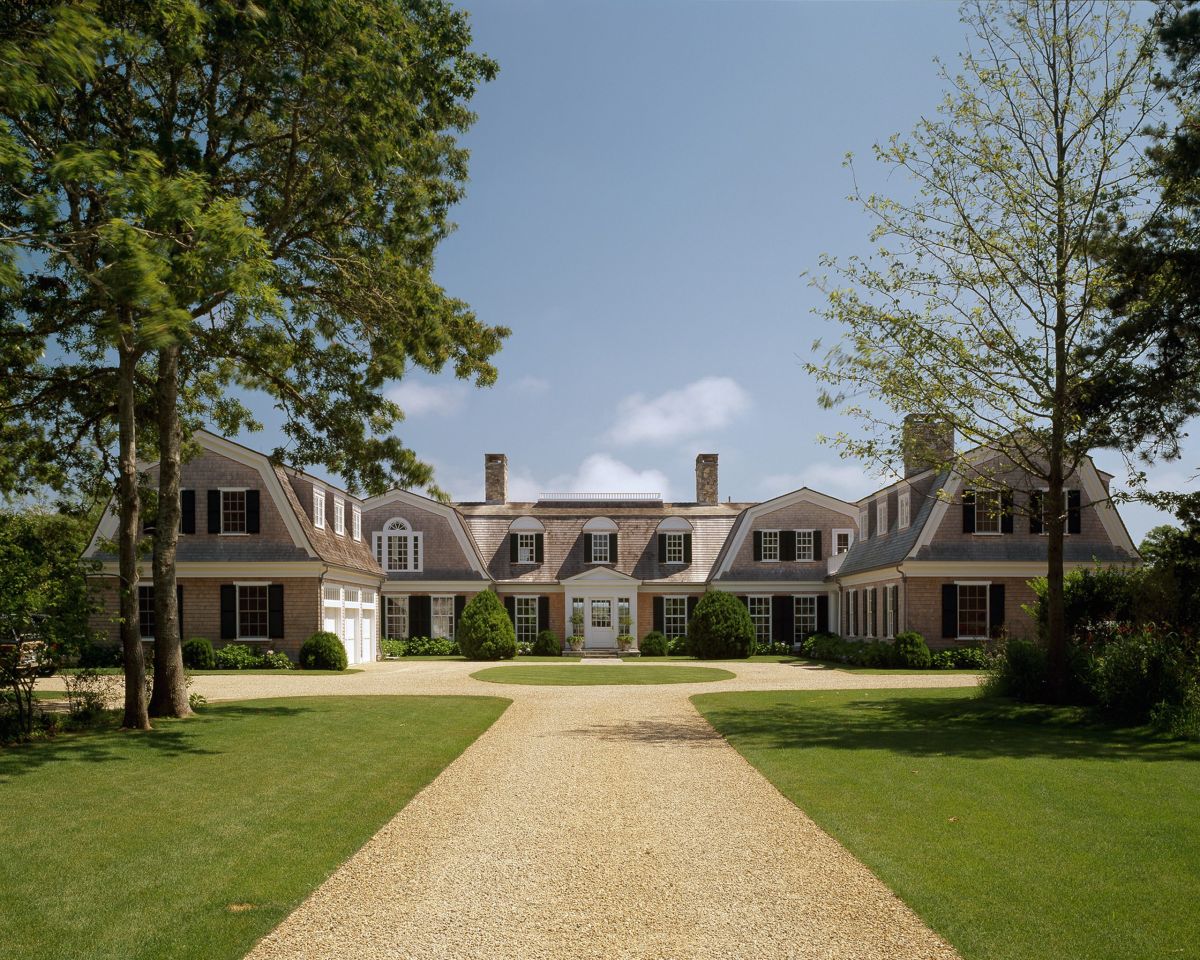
348,639
600,622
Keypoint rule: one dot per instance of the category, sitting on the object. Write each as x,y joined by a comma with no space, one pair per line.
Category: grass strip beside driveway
195,840
1016,832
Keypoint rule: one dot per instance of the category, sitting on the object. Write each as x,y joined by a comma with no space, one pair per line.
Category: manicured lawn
193,841
582,675
757,658
118,671
881,671
461,659
1016,832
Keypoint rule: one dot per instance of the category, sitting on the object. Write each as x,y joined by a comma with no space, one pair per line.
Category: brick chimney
706,478
925,441
495,478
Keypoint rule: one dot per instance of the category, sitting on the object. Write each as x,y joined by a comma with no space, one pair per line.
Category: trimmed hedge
910,650
323,651
430,647
198,654
547,644
721,628
653,644
485,631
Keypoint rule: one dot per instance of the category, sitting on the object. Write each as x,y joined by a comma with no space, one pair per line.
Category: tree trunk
170,696
129,511
1056,619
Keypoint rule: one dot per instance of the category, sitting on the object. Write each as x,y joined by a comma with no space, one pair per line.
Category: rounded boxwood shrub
653,644
323,651
911,651
198,654
484,630
547,644
679,646
721,628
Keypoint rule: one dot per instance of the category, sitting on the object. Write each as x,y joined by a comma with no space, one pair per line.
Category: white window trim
221,508
795,607
864,523
667,617
881,516
778,546
987,608
770,614
812,548
416,541
904,510
889,628
356,521
238,587
1045,492
999,531
526,601
532,546
339,516
595,538
433,616
852,620
318,514
671,535
833,546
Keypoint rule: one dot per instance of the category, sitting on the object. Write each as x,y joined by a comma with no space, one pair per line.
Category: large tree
309,155
982,292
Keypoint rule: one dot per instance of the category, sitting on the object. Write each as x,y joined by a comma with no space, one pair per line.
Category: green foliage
392,647
547,644
721,627
430,647
198,654
679,646
653,644
276,660
96,654
485,631
1141,672
910,650
323,651
236,656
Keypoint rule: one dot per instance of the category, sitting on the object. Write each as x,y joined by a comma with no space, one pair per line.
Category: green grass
119,671
582,675
882,671
193,841
1017,832
757,658
522,659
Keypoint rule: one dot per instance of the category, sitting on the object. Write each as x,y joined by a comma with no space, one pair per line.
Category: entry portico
606,598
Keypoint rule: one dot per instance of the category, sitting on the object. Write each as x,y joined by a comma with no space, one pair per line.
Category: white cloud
531,386
597,473
417,398
845,481
706,404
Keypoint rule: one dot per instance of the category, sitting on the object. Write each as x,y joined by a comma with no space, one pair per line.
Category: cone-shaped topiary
484,630
721,628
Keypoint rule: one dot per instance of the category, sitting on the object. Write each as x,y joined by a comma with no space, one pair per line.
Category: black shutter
874,611
783,619
252,511
745,601
1006,511
659,619
543,614
863,625
539,547
757,544
274,608
179,608
1035,511
662,548
1074,513
896,609
612,548
823,614
512,548
510,604
587,548
687,548
187,511
949,611
460,603
787,544
691,608
995,608
968,511
214,511
420,616
817,555
228,611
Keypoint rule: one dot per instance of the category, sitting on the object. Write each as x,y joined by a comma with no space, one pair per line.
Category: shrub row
420,647
907,651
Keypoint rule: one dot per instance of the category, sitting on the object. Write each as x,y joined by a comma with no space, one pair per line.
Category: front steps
605,653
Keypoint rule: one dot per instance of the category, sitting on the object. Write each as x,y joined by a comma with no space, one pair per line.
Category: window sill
234,533
988,533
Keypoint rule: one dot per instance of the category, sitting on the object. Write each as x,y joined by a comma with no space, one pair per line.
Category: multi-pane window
395,617
853,618
674,548
602,613
770,544
339,516
972,610
233,511
675,621
863,526
624,621
577,614
760,613
889,611
146,612
527,619
904,510
356,521
804,545
870,614
806,616
881,516
600,548
318,508
526,548
252,612
841,541
397,548
987,511
443,617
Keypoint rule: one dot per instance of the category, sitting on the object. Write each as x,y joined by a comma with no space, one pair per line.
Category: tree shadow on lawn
973,728
169,738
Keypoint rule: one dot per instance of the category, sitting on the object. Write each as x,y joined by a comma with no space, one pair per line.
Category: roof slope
891,548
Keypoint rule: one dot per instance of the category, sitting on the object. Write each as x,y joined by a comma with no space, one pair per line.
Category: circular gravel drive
598,821
587,675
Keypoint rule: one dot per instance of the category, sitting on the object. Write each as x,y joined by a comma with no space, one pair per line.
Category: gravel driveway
595,822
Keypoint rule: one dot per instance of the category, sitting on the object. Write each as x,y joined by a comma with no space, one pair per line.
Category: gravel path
596,822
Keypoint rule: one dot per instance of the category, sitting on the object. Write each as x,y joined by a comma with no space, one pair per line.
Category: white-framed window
146,612
602,613
852,620
398,549
233,511
395,618
760,613
988,509
674,547
624,620
806,615
881,516
339,516
252,620
442,609
864,528
600,543
770,545
356,522
675,619
318,508
871,614
903,510
842,539
526,548
973,613
804,545
889,610
526,619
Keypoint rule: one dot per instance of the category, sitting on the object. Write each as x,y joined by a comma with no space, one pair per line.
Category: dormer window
356,522
769,549
674,548
864,529
526,540
339,516
600,541
526,548
318,508
881,516
675,541
398,548
903,510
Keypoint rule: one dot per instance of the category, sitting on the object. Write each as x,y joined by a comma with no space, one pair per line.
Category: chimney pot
495,477
706,478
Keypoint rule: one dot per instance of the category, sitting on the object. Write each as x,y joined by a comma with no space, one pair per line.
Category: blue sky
649,184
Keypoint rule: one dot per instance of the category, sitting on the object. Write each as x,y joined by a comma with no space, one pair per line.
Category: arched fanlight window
600,541
526,540
675,541
398,548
